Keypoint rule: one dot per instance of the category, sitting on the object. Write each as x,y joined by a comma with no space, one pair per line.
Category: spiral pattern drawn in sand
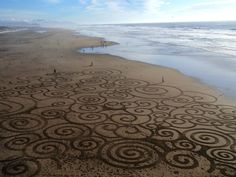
123,122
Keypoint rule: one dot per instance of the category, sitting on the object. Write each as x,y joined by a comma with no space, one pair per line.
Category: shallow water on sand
204,51
214,71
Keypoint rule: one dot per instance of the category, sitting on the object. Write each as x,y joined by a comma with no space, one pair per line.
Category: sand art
123,125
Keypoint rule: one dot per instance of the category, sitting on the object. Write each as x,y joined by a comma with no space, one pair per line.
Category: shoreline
96,42
195,57
219,91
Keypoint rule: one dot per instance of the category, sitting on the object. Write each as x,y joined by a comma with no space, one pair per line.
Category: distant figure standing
162,79
103,43
91,64
54,71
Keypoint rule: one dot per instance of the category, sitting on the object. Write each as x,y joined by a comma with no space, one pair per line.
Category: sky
118,11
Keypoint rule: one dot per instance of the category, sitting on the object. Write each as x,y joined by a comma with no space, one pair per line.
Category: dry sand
64,113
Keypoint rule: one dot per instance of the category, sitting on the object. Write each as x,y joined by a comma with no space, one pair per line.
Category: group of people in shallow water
102,44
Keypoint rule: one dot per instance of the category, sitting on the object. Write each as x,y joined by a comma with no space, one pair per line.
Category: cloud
128,11
108,5
141,7
206,10
209,4
153,6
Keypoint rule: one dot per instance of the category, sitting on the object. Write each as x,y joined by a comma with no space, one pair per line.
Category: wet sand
64,113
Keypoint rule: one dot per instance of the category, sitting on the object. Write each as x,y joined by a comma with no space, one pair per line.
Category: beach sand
65,113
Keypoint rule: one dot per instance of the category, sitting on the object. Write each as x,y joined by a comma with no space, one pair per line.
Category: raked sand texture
64,113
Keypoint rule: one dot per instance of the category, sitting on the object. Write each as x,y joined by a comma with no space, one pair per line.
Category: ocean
203,50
